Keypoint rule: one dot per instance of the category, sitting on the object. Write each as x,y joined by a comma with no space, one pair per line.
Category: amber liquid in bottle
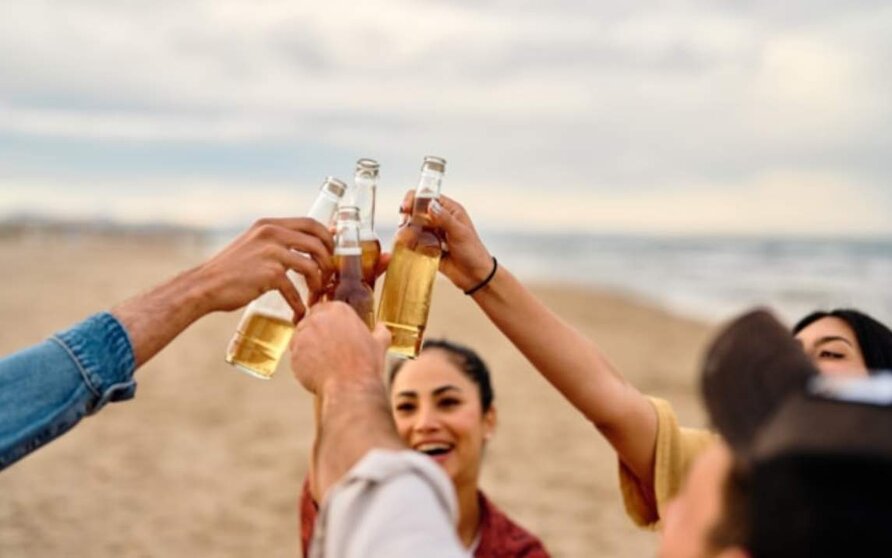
349,285
408,286
265,328
352,289
258,344
371,253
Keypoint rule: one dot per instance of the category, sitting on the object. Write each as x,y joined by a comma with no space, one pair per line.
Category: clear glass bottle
408,285
267,324
365,183
349,285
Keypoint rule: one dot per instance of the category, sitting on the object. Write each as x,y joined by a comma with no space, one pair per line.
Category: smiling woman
442,406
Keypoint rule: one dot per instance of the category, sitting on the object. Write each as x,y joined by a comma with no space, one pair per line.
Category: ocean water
712,278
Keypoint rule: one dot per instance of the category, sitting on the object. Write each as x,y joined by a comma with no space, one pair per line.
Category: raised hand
465,261
257,261
252,264
332,344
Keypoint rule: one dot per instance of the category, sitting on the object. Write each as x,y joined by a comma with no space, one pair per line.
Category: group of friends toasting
440,393
798,464
267,324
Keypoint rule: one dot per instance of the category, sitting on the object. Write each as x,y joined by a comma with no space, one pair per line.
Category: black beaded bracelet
481,284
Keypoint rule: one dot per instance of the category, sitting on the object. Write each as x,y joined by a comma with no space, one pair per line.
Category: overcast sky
721,116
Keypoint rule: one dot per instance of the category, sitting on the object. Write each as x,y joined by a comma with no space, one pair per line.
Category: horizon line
46,221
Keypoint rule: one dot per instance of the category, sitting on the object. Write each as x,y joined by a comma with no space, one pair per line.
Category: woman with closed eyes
845,342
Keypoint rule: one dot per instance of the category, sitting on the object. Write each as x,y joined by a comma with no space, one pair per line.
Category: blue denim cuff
102,351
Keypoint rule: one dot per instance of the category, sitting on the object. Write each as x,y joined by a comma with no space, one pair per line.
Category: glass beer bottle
267,323
350,286
408,285
365,186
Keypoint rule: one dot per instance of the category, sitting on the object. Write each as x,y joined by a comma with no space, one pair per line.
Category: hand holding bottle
252,264
332,344
257,261
465,261
268,322
417,247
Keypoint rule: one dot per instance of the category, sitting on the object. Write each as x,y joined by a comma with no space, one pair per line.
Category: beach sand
206,461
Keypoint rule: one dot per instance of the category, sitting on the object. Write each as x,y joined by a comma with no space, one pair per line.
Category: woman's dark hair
466,360
874,338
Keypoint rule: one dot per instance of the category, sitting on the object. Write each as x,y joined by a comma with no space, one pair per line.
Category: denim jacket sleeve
47,388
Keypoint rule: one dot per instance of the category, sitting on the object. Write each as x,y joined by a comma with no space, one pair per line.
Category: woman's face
833,347
438,412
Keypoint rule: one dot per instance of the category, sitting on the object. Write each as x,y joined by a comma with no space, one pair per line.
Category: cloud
596,96
196,202
781,201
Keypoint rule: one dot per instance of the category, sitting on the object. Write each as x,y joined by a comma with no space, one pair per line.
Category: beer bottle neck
365,199
348,249
323,208
429,184
428,189
326,202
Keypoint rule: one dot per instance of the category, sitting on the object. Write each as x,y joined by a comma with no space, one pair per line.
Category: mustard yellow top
675,451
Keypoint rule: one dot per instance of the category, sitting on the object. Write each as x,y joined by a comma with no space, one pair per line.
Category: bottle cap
335,186
434,163
368,166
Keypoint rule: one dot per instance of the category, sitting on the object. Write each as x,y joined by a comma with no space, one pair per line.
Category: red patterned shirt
499,536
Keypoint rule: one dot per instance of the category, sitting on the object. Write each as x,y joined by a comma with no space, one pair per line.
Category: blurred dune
208,462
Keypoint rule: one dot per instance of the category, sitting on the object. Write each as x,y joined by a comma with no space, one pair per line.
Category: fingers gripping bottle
267,324
365,186
408,285
350,286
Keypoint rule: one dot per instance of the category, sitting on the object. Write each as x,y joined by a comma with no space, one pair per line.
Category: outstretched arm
252,264
570,362
46,389
311,485
335,357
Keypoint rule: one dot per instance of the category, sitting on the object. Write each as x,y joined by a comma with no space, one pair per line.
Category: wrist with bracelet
485,282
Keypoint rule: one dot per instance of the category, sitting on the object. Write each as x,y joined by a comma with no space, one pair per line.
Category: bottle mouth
367,166
334,185
434,163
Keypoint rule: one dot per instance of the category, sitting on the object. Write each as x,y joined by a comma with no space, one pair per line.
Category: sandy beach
206,461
